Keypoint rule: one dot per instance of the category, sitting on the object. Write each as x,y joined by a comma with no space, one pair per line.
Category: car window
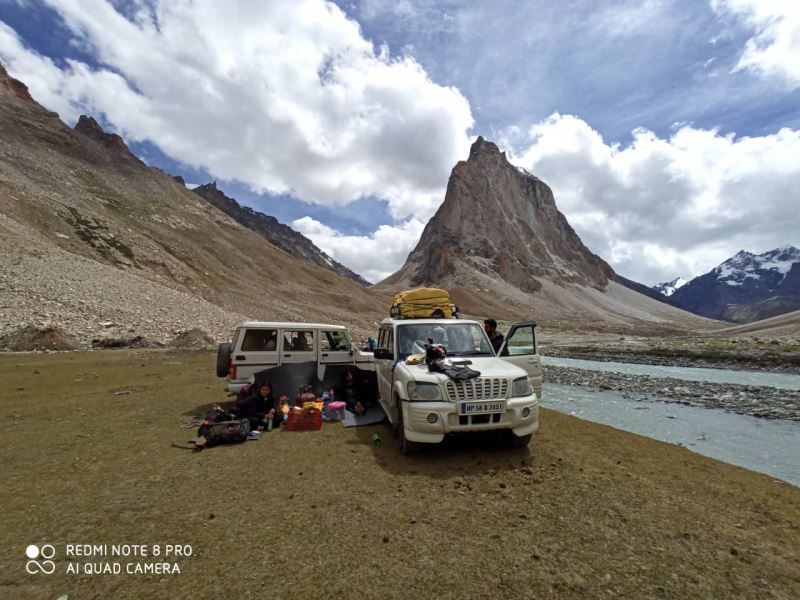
466,339
298,341
260,340
382,337
333,341
521,341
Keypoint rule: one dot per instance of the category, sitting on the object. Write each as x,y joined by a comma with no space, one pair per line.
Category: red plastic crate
304,421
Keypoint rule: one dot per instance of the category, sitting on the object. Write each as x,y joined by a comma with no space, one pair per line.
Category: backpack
212,433
217,415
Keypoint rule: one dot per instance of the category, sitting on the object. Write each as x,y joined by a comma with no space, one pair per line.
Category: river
766,446
782,381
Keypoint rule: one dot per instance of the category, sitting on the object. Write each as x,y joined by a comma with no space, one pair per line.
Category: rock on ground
29,339
193,338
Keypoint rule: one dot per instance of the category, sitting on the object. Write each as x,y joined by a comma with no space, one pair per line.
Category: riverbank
747,353
757,401
94,454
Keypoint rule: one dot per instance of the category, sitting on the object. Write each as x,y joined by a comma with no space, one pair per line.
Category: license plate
480,408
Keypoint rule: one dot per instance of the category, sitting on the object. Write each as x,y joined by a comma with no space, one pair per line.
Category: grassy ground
585,512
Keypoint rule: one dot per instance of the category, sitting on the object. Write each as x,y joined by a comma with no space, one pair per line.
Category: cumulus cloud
287,97
775,48
375,256
659,208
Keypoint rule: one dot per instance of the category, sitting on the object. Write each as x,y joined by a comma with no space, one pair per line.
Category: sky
669,130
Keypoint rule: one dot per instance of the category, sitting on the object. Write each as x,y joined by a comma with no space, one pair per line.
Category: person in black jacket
349,392
495,337
259,407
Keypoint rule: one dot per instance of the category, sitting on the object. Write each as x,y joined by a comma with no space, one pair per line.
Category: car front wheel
406,445
520,441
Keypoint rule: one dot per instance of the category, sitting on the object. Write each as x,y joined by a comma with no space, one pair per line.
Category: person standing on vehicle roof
495,337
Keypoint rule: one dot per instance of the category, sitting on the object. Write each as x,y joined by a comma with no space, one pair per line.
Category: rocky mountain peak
746,287
13,86
501,222
668,288
90,128
482,148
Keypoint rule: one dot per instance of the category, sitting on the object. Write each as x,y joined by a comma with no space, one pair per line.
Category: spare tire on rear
223,359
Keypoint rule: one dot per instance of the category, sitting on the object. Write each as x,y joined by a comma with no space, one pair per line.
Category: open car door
519,348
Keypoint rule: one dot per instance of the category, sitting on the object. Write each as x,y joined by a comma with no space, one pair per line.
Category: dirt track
89,454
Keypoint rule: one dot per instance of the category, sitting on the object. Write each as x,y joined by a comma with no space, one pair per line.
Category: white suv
425,406
258,346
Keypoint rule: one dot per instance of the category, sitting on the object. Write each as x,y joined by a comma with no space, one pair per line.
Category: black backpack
213,433
217,415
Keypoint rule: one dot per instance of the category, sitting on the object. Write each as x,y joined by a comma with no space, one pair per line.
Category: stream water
766,446
782,381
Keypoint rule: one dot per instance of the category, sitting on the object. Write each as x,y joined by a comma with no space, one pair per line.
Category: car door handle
324,354
287,355
240,357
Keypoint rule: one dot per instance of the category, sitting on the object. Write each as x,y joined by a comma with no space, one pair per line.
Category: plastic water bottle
269,424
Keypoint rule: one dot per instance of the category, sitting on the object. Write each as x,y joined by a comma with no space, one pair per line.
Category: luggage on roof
423,303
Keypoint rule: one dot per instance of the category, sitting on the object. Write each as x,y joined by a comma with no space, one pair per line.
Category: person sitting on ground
350,393
495,337
259,407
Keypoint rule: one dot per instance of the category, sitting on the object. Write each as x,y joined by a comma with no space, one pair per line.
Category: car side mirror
383,354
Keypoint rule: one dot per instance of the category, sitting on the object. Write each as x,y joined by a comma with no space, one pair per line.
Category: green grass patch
92,453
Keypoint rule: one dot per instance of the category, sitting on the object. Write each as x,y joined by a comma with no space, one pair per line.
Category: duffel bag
225,432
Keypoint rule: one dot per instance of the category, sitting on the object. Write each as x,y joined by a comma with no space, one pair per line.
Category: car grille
479,388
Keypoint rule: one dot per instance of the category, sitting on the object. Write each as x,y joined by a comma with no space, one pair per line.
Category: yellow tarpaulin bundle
422,303
312,406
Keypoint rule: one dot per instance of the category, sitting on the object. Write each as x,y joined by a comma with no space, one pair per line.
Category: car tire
223,359
406,445
520,441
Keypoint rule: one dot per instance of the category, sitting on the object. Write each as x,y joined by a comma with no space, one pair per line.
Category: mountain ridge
746,287
97,243
272,230
667,288
499,242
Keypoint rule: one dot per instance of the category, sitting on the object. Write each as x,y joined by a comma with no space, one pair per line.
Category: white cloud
629,18
659,208
775,48
287,97
375,256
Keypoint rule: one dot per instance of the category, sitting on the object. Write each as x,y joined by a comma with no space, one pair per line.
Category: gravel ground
757,401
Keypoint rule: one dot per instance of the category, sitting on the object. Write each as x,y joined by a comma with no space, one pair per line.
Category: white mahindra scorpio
424,406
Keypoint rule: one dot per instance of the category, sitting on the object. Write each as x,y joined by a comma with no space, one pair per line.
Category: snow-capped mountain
746,287
668,287
772,266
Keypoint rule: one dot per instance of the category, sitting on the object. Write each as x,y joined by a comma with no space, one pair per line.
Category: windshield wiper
470,353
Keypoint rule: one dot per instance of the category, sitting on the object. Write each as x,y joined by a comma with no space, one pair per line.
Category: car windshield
459,339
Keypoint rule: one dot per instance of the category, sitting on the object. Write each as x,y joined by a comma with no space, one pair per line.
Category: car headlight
521,387
423,391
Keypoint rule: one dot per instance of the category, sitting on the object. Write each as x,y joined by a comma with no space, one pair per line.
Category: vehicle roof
285,324
390,321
